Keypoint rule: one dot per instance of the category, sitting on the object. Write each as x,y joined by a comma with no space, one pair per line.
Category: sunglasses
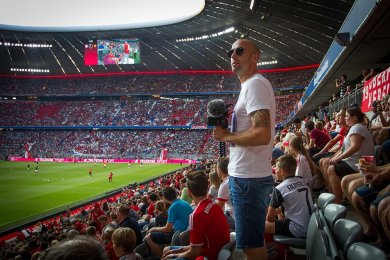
239,51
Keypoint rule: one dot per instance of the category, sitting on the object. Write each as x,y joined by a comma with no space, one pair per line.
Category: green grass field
25,196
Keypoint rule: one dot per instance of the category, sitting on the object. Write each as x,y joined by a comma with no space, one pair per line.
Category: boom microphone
217,116
216,108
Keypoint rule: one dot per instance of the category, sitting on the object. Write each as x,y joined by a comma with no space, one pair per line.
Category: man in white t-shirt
223,197
251,135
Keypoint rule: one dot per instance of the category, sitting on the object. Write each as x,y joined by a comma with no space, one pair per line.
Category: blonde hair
160,206
214,179
124,238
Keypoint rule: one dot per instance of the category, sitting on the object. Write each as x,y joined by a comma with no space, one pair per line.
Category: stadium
103,108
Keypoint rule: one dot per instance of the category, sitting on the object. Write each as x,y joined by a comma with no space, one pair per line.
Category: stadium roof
289,33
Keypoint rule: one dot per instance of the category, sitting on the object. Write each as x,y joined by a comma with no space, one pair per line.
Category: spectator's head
170,194
297,123
107,233
296,145
319,124
341,117
214,179
286,166
197,183
309,125
77,248
90,231
354,116
222,166
123,212
103,219
160,207
123,241
153,197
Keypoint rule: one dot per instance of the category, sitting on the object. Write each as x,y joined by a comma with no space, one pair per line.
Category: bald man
250,135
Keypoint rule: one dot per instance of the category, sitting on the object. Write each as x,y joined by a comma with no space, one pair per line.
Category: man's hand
220,133
171,253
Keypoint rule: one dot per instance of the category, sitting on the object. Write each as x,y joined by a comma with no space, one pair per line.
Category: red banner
375,89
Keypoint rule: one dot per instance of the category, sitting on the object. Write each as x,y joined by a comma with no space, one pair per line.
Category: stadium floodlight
253,4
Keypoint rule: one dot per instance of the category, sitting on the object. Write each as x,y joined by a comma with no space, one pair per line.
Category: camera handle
222,149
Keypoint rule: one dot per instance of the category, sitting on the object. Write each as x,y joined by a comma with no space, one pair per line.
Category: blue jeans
250,198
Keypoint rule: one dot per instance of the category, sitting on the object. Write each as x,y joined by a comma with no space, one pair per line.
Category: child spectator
293,199
123,241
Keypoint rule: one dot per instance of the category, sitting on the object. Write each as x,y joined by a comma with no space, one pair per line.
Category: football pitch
26,196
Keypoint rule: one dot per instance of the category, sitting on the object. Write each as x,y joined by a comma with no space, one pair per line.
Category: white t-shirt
296,200
224,195
252,161
303,168
213,192
367,147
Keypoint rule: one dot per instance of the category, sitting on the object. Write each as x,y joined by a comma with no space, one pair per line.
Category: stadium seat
320,246
229,251
324,199
311,183
301,243
345,233
364,251
333,250
332,213
184,238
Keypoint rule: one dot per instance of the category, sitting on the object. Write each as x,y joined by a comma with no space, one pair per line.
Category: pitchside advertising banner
375,89
74,160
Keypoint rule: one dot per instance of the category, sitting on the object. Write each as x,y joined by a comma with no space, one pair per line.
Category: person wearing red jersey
90,172
209,230
110,177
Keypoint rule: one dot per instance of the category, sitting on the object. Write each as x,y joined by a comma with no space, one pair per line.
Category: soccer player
110,177
90,172
28,167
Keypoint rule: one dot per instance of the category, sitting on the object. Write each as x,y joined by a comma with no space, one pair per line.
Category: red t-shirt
150,210
321,139
343,132
209,228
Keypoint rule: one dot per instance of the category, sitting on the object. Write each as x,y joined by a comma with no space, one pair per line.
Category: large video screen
112,52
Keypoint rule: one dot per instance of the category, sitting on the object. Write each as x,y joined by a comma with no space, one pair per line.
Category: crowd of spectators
132,223
145,84
349,157
133,112
145,144
97,221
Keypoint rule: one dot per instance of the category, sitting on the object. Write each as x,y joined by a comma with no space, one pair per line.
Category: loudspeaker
343,39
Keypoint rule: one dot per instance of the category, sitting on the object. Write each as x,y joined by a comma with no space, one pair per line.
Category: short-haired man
209,230
124,220
251,135
178,214
292,198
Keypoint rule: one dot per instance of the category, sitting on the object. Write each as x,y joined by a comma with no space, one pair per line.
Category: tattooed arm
258,134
